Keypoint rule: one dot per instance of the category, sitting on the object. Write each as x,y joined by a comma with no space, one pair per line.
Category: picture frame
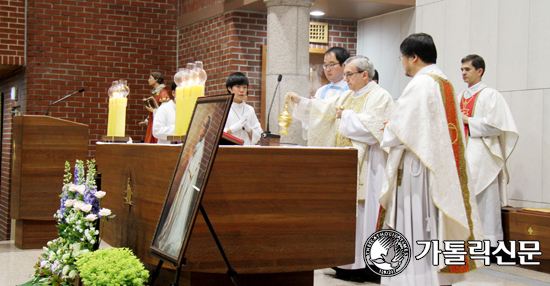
190,178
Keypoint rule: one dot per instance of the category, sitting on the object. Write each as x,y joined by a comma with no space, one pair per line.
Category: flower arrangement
111,266
77,226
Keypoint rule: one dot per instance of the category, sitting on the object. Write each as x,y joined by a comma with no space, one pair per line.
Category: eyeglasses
348,75
329,66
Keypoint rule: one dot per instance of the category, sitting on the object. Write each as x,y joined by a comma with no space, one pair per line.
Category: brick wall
14,79
12,32
225,44
88,44
342,33
190,6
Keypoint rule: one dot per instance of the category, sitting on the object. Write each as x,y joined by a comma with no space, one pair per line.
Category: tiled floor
16,266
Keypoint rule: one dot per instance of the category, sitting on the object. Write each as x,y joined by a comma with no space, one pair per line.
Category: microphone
80,90
265,135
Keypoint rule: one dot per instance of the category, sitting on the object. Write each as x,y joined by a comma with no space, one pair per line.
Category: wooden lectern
40,146
279,212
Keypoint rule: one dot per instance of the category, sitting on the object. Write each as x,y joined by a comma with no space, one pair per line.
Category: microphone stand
269,139
47,111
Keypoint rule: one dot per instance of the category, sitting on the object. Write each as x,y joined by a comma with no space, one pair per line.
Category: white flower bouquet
77,225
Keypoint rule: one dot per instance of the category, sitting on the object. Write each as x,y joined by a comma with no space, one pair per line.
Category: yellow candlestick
120,116
178,129
187,110
112,117
197,90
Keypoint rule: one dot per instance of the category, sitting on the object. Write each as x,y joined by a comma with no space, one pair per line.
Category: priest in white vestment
241,120
172,234
164,122
425,194
333,67
492,136
355,119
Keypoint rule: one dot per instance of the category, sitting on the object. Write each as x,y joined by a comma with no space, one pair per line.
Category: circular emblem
389,251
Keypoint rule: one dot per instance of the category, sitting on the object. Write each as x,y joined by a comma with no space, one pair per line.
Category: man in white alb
164,122
492,136
354,118
425,195
333,66
241,120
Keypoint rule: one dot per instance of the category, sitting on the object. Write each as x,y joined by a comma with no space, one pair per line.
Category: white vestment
173,231
359,126
237,111
164,122
432,202
326,91
493,137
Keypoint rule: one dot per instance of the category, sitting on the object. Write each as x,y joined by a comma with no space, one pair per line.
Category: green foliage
111,267
68,176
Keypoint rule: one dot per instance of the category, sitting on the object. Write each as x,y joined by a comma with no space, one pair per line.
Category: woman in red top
160,95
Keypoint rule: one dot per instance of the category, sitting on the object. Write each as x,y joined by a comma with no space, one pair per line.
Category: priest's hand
339,112
294,97
465,118
142,123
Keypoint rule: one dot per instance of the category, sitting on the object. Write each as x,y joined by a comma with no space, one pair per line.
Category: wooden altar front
277,211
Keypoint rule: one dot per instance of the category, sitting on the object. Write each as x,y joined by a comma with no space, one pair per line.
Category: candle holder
116,122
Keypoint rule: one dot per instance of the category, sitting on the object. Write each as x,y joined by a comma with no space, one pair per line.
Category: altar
279,211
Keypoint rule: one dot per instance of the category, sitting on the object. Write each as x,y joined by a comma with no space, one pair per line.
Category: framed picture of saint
189,181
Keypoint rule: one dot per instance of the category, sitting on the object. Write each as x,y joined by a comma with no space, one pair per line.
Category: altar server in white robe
426,195
241,120
354,118
164,122
492,136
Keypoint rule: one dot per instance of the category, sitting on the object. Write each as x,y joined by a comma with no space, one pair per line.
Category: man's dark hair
234,79
340,53
375,77
477,62
420,44
158,77
174,85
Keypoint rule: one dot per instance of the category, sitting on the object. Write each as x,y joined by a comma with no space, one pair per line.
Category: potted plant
111,266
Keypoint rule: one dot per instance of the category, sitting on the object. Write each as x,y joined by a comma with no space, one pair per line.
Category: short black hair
422,45
237,78
340,53
174,85
476,60
375,77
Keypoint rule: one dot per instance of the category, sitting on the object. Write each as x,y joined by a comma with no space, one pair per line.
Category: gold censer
285,118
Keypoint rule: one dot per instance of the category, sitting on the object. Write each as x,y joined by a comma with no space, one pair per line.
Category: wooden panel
34,234
41,146
274,209
530,226
525,225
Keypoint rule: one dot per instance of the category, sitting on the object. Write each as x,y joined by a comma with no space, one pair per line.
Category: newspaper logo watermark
389,251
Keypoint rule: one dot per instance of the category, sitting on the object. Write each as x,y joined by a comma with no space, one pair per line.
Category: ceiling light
316,13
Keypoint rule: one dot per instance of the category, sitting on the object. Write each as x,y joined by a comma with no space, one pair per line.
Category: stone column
287,55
